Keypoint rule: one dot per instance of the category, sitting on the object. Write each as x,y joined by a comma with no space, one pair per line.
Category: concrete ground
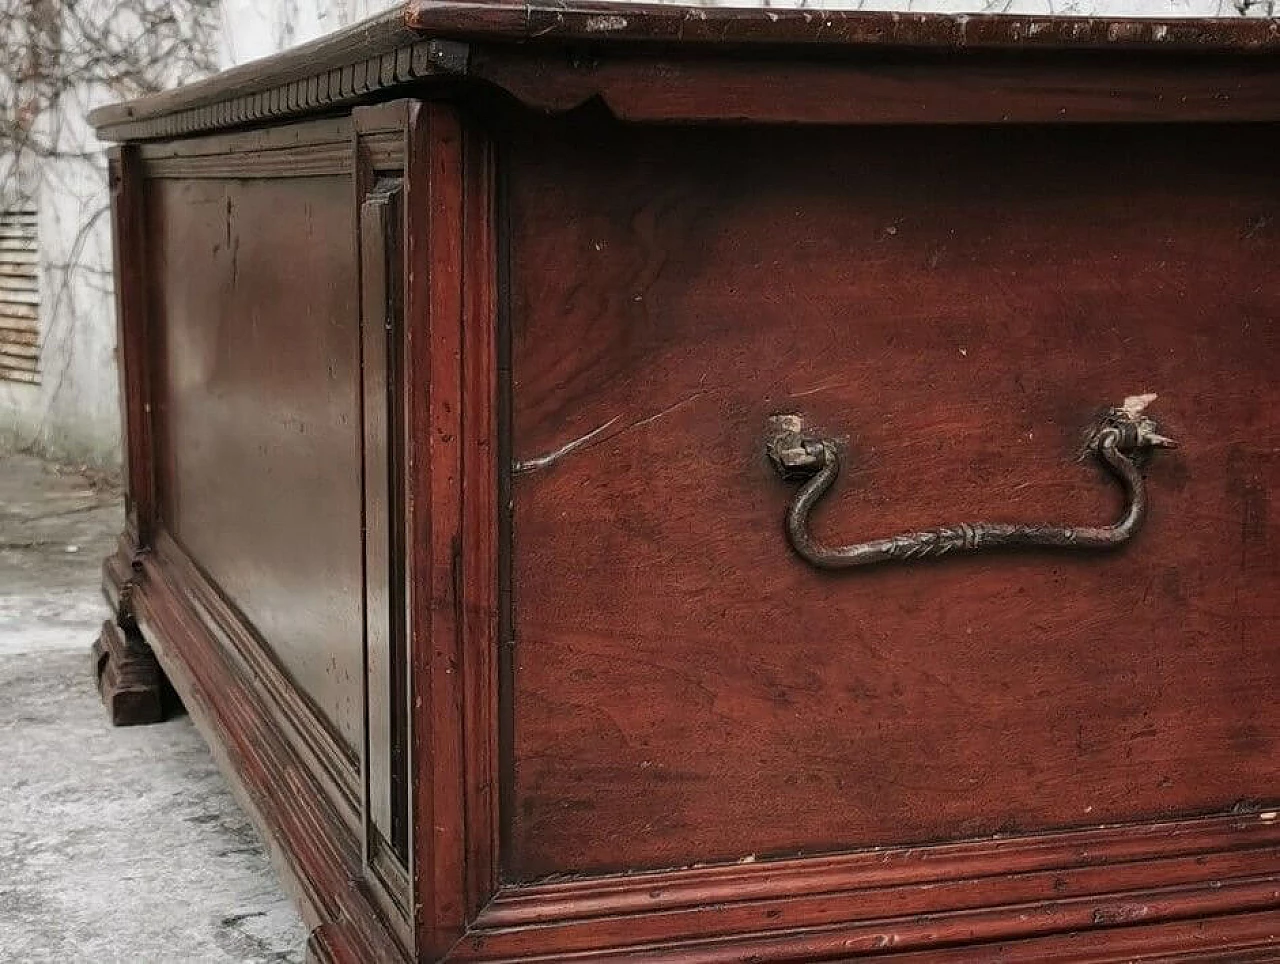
116,845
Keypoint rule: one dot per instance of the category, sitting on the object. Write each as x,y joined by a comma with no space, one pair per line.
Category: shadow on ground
116,845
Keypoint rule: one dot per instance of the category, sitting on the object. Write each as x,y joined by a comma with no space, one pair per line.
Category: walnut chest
657,484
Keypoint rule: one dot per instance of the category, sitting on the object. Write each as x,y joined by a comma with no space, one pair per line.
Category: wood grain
481,546
1077,89
957,305
819,908
1228,939
994,870
607,24
649,60
451,518
261,398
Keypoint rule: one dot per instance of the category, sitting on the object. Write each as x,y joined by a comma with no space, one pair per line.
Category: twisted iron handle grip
1120,439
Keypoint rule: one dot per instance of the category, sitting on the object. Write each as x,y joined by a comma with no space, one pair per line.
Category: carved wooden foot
130,681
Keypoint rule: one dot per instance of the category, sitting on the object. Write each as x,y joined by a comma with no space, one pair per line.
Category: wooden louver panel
19,296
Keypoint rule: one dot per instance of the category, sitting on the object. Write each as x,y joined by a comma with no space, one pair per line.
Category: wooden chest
621,483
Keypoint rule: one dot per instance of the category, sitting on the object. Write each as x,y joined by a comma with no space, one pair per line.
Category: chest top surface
678,63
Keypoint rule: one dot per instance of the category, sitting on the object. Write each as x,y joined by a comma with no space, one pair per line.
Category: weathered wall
96,52
258,28
73,413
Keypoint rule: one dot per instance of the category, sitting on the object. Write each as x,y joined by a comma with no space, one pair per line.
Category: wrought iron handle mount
1121,438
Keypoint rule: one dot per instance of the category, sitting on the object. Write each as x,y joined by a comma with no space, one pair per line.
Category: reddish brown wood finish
451,401
993,90
618,24
1228,940
893,900
481,510
476,475
435,404
665,61
956,304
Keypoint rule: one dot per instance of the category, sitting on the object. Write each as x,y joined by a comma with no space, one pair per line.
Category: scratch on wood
598,434
542,461
817,388
662,414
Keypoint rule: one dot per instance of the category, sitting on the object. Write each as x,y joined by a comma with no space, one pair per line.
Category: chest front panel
955,306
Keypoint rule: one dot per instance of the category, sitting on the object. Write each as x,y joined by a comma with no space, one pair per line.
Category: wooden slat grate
19,296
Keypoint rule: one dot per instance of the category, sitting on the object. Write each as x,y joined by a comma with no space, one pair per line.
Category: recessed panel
259,414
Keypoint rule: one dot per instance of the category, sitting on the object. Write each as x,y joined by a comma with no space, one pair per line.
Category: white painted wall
258,28
73,414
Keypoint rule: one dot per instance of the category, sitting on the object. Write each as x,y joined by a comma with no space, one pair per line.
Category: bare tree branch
62,58
87,52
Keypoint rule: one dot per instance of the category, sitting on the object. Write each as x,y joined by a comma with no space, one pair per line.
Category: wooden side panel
327,473
260,448
957,305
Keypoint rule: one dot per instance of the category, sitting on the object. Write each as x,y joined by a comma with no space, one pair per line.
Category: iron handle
1121,438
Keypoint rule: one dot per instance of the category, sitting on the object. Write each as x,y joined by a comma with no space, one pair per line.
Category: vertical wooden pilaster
133,342
450,387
